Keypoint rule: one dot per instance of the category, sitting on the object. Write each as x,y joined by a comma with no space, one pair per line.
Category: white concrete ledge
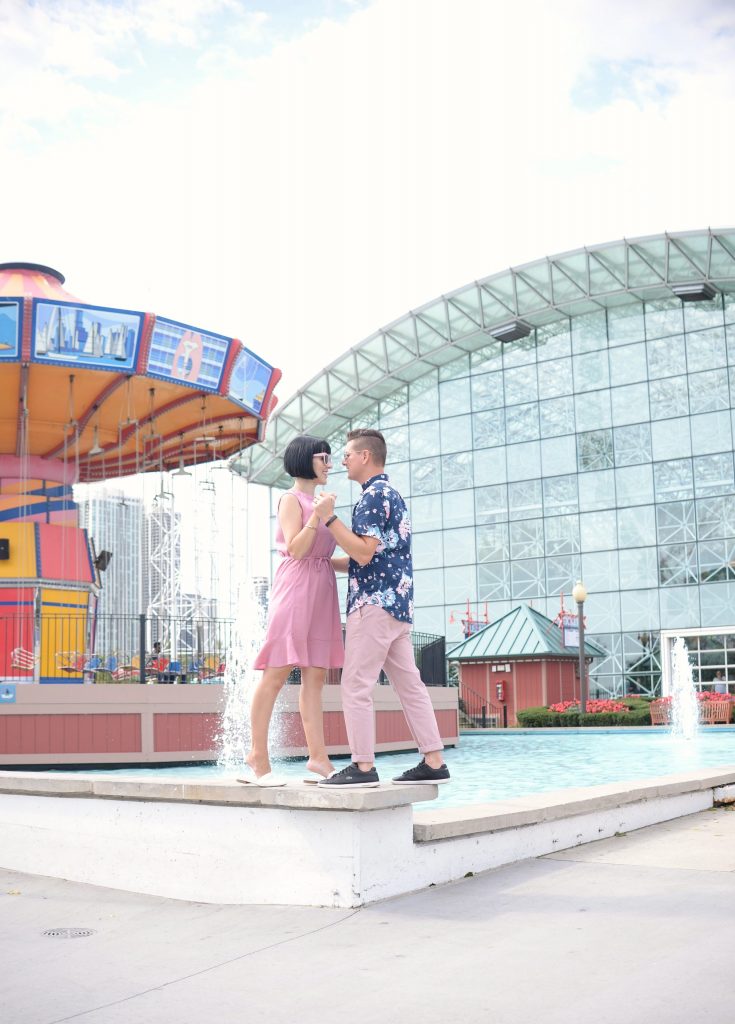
725,794
171,790
220,842
214,842
449,823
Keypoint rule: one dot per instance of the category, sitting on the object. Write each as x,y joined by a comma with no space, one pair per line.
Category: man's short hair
299,454
374,441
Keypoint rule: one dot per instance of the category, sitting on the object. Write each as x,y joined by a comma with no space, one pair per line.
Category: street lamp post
580,596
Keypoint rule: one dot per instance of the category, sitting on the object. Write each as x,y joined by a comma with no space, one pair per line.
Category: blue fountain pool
499,765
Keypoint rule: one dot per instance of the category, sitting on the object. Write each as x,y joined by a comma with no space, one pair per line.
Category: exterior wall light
700,291
513,330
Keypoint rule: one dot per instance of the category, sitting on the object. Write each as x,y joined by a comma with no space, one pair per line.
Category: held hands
324,505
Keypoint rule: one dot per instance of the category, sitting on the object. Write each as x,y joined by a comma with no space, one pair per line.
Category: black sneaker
354,778
423,775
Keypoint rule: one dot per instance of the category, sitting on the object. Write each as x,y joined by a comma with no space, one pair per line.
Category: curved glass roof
534,295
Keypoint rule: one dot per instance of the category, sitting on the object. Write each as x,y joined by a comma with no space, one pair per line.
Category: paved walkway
638,928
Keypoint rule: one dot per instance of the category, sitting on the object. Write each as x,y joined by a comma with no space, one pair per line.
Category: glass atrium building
568,419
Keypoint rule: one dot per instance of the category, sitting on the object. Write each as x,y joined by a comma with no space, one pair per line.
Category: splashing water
684,707
240,681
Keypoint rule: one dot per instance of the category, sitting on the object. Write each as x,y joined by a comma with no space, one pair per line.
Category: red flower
702,695
594,707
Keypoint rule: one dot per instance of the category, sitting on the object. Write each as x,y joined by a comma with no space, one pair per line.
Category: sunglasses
325,457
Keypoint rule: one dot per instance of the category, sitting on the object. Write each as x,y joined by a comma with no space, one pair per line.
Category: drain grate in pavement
69,933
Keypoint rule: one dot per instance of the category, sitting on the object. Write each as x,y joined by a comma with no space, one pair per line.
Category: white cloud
176,21
667,33
94,39
229,57
303,198
76,36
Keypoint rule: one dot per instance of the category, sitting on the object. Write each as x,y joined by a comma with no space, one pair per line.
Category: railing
77,647
429,652
479,712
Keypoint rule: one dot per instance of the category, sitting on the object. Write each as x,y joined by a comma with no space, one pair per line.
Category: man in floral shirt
379,617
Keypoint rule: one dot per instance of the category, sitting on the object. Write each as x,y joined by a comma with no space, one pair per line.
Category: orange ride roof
115,392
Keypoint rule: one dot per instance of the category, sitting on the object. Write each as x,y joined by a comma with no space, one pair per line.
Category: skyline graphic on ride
85,335
249,381
9,319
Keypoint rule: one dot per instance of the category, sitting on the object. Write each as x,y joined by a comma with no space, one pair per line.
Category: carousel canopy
117,391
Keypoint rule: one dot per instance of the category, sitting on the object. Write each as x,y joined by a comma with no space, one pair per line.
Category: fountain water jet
240,681
684,706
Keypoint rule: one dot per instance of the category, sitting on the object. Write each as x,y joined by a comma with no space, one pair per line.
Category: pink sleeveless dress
304,627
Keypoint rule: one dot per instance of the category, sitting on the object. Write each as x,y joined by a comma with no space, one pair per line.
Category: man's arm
360,548
356,546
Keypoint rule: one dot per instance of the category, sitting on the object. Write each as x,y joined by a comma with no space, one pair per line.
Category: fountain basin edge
221,842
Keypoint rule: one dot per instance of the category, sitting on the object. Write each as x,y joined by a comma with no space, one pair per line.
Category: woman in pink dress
304,627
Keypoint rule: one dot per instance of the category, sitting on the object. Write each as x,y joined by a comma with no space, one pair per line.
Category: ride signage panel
186,355
568,622
94,336
249,381
10,321
571,636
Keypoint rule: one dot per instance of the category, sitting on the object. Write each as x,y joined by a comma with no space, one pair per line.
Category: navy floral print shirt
387,580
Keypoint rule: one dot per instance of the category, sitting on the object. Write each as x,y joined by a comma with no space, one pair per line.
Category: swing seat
22,659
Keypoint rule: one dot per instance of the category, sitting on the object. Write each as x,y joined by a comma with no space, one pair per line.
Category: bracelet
310,527
330,521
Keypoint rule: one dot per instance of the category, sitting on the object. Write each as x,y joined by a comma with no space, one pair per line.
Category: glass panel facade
609,459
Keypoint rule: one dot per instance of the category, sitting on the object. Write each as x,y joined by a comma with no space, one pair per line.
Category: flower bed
714,708
703,695
594,707
625,711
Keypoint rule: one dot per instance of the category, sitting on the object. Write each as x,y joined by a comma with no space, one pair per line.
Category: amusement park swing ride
91,394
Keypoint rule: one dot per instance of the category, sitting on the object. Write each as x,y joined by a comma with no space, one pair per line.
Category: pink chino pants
376,640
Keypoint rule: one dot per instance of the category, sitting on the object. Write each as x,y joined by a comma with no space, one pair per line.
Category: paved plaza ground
638,928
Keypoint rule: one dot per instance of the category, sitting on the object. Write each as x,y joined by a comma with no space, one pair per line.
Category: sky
299,174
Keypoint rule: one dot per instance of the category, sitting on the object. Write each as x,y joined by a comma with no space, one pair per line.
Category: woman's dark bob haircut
299,455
